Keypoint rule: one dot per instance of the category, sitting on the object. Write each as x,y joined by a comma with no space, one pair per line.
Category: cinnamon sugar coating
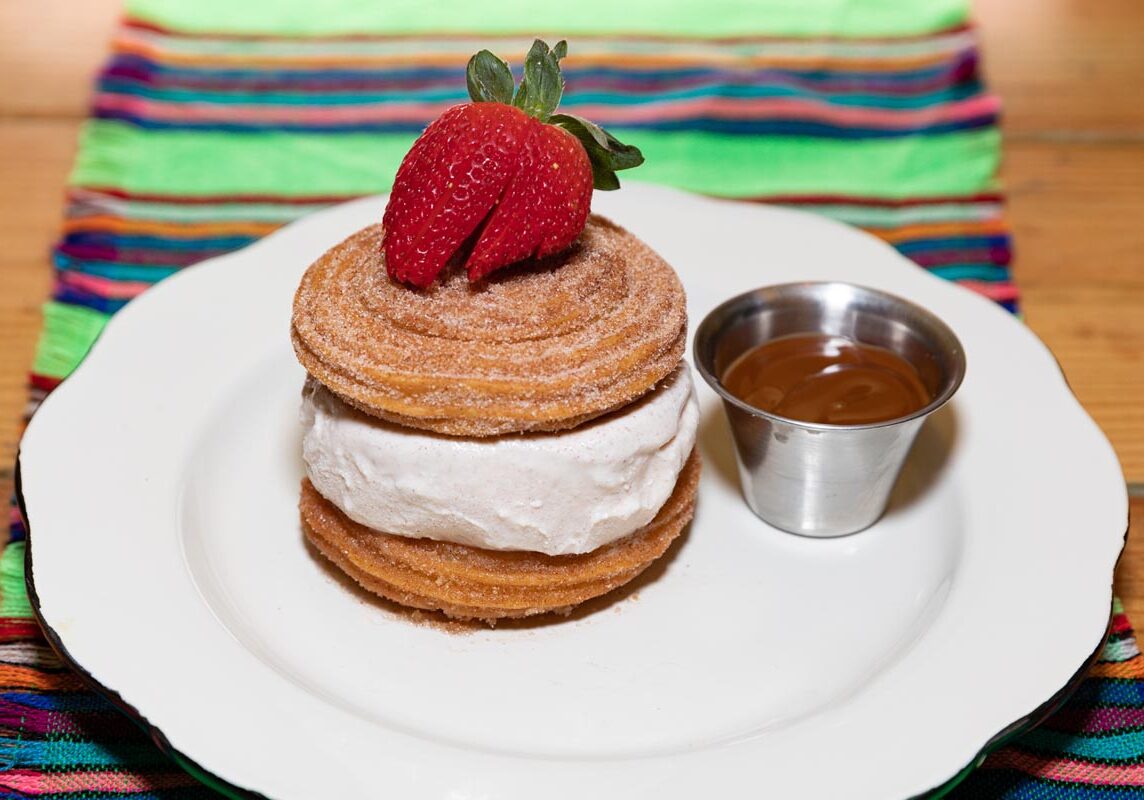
472,583
539,347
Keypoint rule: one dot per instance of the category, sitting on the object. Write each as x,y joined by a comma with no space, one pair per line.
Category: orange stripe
938,229
1122,669
101,224
16,677
1066,768
659,61
107,781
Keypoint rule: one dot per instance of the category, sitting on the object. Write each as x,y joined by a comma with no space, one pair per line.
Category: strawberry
504,174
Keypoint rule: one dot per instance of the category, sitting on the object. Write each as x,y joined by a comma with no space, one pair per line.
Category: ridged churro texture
539,347
472,583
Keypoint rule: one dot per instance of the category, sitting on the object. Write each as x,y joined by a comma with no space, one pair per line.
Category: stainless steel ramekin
811,478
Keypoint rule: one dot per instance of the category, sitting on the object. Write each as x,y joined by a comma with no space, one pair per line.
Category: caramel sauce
827,379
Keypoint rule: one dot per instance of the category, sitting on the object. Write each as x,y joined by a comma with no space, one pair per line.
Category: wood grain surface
1068,74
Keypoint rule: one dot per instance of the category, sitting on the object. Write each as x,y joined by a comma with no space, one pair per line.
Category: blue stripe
1127,746
78,297
77,702
73,754
194,791
1015,785
953,242
1110,692
978,272
159,242
114,270
231,76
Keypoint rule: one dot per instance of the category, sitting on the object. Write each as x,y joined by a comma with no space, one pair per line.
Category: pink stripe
209,112
813,110
35,783
1094,720
104,287
994,291
26,781
418,113
1055,768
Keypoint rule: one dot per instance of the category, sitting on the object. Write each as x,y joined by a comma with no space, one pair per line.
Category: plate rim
993,742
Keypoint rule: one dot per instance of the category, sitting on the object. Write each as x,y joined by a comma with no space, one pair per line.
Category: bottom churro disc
472,583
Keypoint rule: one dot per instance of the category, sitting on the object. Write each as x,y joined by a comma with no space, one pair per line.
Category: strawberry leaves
489,79
499,180
607,153
542,85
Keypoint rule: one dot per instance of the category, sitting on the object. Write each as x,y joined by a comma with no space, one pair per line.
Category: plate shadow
926,460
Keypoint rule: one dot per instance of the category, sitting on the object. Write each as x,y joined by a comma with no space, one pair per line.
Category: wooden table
1074,169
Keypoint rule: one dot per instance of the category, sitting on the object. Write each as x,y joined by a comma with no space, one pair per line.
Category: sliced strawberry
507,160
544,207
448,182
568,195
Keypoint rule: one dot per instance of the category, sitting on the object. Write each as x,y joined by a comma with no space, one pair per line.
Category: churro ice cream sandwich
498,422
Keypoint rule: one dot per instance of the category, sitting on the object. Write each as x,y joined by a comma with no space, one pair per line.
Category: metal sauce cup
812,478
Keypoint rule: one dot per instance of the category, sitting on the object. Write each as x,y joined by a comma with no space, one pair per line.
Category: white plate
161,482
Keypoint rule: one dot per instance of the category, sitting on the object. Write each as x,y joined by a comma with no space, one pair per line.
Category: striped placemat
199,144
215,122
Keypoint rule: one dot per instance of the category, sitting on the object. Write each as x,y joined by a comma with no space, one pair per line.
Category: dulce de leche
826,379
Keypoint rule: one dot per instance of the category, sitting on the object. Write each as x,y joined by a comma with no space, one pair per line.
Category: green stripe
1123,650
972,272
848,18
463,47
745,166
206,212
144,273
895,217
13,595
197,163
68,333
73,754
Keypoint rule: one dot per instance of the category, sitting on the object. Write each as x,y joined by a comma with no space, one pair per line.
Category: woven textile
215,122
199,144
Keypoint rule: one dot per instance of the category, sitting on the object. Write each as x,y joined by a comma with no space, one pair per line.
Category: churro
540,347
